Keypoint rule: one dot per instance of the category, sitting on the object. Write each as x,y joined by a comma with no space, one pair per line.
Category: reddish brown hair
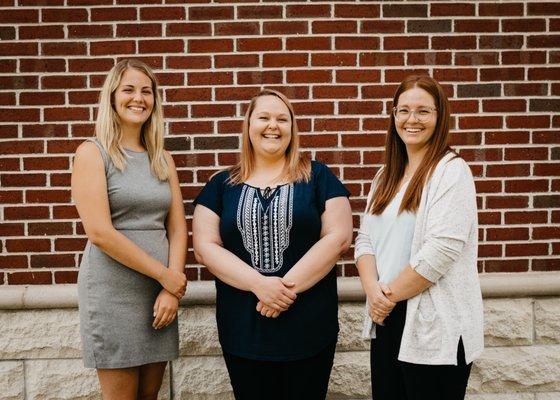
396,157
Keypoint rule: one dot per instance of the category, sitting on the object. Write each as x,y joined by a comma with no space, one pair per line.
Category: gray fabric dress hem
131,363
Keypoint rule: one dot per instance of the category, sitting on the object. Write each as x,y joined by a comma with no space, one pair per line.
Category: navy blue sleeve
327,185
212,193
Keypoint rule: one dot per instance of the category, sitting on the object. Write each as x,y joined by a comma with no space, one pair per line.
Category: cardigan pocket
429,332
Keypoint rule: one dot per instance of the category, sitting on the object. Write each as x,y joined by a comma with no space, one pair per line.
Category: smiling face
270,127
134,98
413,133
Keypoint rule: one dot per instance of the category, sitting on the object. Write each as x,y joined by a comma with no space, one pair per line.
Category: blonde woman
131,277
416,255
271,230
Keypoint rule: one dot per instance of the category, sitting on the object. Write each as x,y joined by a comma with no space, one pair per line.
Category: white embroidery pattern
266,232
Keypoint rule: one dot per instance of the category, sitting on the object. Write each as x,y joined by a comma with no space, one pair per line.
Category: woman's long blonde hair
108,125
297,168
396,156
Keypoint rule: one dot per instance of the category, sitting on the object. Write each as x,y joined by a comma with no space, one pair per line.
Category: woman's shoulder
221,177
454,165
89,151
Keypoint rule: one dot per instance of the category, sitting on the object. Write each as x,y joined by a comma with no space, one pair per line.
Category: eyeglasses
423,114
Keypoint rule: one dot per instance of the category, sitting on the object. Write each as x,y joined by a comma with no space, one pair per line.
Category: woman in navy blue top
271,230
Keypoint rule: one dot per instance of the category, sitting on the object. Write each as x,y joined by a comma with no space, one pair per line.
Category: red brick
377,124
310,11
50,228
13,262
482,154
25,213
462,138
18,82
189,94
523,57
381,58
489,218
83,97
545,264
66,212
501,42
45,163
210,45
362,140
496,105
236,61
65,276
528,121
546,201
502,74
20,180
381,26
112,47
544,8
42,65
526,89
19,115
333,59
47,196
308,43
526,249
209,78
15,16
44,130
353,11
507,201
188,127
162,13
335,92
19,49
309,76
463,106
323,140
28,245
474,25
285,27
210,13
524,25
7,33
189,62
509,137
67,114
429,58
455,74
285,60
113,14
213,110
68,14
29,278
360,107
52,261
506,265
526,186
351,173
549,232
90,31
8,66
453,42
526,217
508,170
41,32
235,93
336,125
548,169
139,29
42,98
476,58
507,234
259,12
543,41
11,197
480,122
500,9
404,10
452,9
63,48
356,43
161,46
336,27
362,75
260,44
313,108
526,153
236,28
405,42
489,250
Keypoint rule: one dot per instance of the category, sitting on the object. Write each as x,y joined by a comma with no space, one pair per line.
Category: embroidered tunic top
271,235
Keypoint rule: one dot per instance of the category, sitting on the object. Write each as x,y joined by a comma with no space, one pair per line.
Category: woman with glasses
271,229
416,255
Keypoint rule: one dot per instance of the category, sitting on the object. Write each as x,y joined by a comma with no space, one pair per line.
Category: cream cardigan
444,251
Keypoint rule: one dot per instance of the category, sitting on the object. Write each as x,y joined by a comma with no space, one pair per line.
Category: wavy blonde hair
108,125
297,168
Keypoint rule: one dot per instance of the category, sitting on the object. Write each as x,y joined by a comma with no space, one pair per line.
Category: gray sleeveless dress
116,302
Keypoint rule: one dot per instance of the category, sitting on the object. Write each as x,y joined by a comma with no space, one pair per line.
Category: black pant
392,379
306,379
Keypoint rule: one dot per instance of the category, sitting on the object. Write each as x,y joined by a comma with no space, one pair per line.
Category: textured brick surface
340,62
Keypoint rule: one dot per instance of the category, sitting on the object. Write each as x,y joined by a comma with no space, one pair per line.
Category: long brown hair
396,157
297,168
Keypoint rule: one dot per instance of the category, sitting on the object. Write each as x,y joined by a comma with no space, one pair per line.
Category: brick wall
340,62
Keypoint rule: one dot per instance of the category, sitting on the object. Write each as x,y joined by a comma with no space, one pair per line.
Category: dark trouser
306,379
392,379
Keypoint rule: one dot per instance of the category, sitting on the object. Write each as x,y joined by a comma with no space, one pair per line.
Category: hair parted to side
108,126
396,157
297,167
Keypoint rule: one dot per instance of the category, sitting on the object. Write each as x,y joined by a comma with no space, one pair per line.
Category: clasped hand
275,296
379,304
175,282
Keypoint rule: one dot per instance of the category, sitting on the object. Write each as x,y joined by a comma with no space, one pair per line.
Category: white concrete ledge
349,289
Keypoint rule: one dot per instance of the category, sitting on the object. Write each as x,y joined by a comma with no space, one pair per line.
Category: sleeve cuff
421,267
